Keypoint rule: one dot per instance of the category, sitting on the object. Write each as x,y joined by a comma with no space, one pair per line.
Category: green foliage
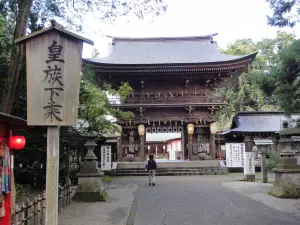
273,160
94,107
285,78
72,12
253,91
285,13
107,179
5,46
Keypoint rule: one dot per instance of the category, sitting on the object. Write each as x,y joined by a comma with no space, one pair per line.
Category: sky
231,19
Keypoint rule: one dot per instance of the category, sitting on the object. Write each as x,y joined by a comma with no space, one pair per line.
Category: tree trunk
67,165
17,55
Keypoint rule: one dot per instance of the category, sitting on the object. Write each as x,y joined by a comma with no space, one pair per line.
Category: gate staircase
170,168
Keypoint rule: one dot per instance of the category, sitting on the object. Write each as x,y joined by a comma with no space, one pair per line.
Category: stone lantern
287,172
90,187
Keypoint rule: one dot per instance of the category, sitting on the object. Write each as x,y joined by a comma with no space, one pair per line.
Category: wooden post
213,146
264,169
119,148
39,209
190,146
22,217
17,211
59,199
52,175
43,208
142,146
35,211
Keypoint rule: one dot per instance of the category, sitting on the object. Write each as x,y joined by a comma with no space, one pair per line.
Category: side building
173,80
260,131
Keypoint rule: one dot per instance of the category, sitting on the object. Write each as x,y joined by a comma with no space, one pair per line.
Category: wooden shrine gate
173,79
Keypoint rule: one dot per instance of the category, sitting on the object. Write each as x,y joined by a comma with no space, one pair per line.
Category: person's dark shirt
151,164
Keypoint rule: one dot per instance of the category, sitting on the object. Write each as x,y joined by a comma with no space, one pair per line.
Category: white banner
249,168
106,157
235,154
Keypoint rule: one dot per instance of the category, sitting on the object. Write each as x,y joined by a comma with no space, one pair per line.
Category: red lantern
17,142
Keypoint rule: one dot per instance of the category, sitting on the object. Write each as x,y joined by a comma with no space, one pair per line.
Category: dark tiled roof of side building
259,122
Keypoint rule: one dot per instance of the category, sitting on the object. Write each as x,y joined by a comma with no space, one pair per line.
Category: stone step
170,164
171,171
171,168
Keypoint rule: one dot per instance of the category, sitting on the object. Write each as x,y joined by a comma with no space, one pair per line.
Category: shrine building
173,79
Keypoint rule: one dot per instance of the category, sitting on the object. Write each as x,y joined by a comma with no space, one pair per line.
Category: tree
254,91
285,13
286,78
70,12
94,110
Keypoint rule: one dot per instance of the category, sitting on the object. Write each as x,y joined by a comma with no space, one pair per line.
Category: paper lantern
213,128
141,130
17,142
190,129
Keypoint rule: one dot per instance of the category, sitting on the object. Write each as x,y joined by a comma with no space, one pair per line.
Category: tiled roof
171,50
259,122
13,121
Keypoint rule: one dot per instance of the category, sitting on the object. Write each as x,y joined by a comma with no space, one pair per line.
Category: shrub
273,160
107,179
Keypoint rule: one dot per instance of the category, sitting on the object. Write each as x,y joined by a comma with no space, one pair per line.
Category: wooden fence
33,212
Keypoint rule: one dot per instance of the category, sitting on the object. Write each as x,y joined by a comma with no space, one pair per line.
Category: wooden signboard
235,154
53,60
53,79
105,157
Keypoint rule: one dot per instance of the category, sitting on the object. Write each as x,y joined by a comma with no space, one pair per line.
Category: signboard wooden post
249,168
53,61
105,157
235,154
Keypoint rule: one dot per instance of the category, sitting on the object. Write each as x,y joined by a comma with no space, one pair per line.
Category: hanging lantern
17,142
190,129
213,128
141,130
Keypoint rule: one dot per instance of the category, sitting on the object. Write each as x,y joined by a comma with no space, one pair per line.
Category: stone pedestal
90,187
287,176
250,177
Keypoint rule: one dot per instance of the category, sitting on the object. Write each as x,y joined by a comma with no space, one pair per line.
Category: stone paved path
113,212
200,200
259,192
195,200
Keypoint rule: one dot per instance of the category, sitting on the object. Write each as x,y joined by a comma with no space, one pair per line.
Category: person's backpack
151,164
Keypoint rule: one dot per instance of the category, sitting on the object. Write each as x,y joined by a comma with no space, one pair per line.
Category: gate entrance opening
165,146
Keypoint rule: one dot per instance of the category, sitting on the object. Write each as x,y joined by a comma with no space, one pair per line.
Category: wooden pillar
275,144
264,168
119,149
52,175
190,146
142,147
213,146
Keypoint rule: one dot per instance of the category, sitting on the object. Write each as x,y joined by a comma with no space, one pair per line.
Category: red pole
6,220
7,217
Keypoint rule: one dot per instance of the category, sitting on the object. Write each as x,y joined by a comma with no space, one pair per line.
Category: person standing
151,167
